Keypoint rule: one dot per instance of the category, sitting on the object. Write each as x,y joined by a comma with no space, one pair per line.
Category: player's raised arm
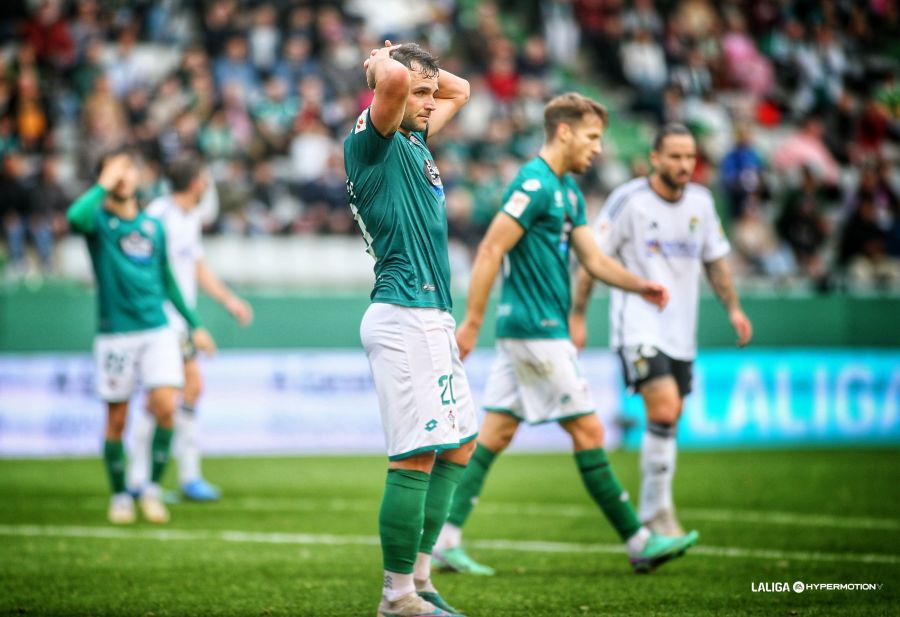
451,95
391,81
501,237
83,210
604,268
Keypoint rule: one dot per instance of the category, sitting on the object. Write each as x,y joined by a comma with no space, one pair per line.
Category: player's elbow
489,252
392,78
465,90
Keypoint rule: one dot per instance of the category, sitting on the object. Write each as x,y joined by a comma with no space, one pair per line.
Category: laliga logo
799,587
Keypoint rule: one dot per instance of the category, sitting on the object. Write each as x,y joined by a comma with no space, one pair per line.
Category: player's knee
587,432
115,423
664,413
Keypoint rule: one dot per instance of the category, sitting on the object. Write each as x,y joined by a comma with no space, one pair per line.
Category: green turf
819,512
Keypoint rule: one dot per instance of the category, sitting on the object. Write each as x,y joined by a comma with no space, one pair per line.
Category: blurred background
795,104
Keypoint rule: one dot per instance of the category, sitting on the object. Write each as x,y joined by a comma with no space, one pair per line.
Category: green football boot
660,549
456,560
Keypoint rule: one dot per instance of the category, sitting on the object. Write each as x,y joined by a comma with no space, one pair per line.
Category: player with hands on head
397,199
134,342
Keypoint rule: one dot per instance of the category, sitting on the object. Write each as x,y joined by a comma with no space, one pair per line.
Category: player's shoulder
151,224
158,207
624,196
533,177
700,195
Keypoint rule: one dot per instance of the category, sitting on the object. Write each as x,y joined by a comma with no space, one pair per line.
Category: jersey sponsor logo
429,287
532,184
558,199
136,247
360,123
516,204
673,248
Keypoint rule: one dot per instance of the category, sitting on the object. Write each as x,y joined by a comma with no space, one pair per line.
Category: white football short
423,392
149,357
537,380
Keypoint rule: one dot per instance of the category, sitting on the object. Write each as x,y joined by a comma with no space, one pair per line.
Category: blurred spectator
49,34
264,37
741,171
643,16
21,219
296,62
126,70
863,247
803,226
644,66
758,244
806,149
31,110
234,67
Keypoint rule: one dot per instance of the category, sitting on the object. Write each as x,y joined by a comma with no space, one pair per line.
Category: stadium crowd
796,105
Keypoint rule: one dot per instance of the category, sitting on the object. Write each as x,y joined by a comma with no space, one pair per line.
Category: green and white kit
397,199
133,342
535,375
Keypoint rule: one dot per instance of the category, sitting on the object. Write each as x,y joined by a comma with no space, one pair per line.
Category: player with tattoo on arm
664,228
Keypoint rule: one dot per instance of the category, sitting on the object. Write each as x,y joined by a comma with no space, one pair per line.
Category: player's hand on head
375,56
466,337
113,170
742,326
578,330
655,294
240,310
203,341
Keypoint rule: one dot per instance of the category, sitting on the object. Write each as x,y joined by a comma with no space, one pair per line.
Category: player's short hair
413,57
114,152
671,128
571,108
183,170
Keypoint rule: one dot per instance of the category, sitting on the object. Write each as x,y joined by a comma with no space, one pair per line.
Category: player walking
535,377
182,214
665,228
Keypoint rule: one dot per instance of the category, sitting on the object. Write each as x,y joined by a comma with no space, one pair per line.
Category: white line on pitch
56,531
762,517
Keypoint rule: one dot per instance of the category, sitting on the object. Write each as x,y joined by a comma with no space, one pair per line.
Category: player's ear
564,132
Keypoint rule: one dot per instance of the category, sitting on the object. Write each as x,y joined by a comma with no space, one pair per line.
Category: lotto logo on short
431,425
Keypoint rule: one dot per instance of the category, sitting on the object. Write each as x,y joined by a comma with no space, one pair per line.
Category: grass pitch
298,537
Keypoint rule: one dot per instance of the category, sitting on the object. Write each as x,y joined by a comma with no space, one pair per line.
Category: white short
423,392
537,380
151,357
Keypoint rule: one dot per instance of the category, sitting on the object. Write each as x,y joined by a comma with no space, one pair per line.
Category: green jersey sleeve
525,200
365,144
82,214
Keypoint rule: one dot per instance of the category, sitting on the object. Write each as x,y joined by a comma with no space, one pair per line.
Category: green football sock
402,517
114,459
470,486
603,486
162,443
445,476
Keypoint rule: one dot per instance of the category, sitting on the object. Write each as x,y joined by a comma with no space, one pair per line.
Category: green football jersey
536,279
397,199
130,265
